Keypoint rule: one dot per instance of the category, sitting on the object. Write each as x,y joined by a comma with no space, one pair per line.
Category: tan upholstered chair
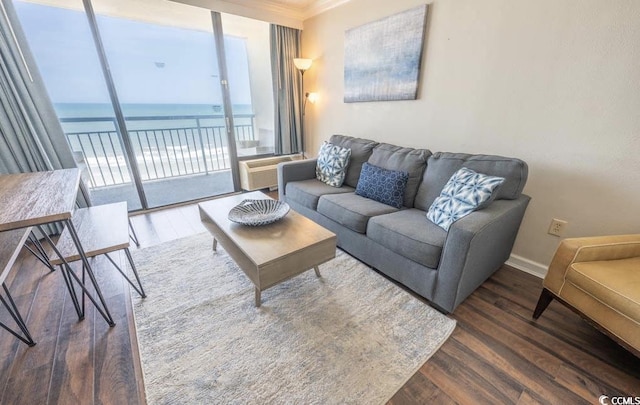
599,278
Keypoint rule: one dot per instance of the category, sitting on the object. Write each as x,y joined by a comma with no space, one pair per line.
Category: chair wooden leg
543,302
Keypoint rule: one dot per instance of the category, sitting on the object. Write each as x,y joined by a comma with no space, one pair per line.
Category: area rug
351,336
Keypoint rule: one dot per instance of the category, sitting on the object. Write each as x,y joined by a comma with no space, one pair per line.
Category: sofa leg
543,302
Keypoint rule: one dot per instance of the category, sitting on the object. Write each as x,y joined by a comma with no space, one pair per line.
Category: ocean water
102,110
147,116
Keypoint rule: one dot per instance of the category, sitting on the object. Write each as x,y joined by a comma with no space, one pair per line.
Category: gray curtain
31,138
287,88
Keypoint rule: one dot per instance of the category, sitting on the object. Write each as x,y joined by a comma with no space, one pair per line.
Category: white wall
553,82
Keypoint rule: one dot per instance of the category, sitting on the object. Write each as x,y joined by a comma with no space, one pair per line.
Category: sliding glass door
154,99
60,39
164,66
247,50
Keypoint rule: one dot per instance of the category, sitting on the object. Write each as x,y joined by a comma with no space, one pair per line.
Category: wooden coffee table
272,253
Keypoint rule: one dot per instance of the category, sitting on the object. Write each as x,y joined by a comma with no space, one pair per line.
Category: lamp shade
302,64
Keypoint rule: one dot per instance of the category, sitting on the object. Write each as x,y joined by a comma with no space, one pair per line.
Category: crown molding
320,6
268,10
271,7
300,13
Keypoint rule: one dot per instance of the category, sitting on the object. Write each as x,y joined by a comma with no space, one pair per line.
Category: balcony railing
164,147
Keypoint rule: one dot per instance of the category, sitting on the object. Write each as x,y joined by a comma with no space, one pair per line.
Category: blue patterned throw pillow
331,167
382,185
465,191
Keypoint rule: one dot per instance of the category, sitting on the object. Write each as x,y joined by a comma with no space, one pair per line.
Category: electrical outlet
557,227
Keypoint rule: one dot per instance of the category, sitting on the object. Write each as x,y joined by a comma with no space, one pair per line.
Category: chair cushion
308,192
409,234
360,151
331,165
412,161
382,185
465,192
351,210
615,283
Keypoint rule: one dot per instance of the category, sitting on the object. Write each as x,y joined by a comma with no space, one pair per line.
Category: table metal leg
135,273
69,275
65,269
215,245
104,311
39,252
84,273
132,234
138,287
317,270
15,314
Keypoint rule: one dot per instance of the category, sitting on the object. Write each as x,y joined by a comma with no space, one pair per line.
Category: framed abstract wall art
382,58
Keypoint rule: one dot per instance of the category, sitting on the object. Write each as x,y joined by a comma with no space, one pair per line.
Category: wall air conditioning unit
262,173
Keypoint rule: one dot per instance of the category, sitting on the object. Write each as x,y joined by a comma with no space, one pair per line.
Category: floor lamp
302,65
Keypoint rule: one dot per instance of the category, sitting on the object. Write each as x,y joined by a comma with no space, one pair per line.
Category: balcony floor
167,191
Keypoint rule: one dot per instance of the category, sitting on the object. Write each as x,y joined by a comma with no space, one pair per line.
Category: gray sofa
443,267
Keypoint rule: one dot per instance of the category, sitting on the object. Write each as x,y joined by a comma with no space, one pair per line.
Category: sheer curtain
31,136
287,88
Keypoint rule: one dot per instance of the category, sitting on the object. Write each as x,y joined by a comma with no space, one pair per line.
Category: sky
149,63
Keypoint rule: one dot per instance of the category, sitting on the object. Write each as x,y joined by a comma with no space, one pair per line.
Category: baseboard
526,265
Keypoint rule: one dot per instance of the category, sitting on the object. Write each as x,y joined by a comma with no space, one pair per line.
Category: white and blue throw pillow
382,185
465,191
331,167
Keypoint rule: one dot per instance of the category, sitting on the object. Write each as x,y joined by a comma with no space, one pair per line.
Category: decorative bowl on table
258,212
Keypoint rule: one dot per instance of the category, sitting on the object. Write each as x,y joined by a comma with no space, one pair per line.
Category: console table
39,198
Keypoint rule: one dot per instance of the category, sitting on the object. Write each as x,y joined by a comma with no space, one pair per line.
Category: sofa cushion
360,151
412,161
308,192
409,234
332,162
351,210
465,192
382,185
442,165
615,283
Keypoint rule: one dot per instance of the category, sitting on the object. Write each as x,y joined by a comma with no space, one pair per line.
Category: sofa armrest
476,246
588,249
294,171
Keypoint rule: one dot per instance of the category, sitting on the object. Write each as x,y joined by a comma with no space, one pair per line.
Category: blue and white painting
382,58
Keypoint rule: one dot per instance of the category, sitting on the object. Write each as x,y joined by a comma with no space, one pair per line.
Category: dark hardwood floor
497,354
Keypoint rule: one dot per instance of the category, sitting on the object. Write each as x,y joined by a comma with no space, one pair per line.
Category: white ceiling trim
271,7
268,10
320,6
286,9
